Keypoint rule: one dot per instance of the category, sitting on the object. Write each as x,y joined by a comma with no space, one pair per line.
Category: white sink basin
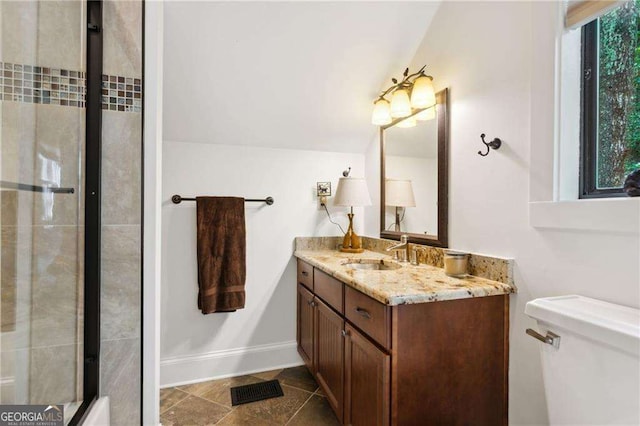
372,264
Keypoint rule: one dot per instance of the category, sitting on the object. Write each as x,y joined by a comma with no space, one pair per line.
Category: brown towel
221,254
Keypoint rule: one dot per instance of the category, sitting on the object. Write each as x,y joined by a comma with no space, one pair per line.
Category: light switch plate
323,189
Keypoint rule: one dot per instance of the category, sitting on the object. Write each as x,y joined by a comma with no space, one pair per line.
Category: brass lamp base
352,250
351,242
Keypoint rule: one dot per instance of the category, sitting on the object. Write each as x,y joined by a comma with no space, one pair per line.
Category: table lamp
352,192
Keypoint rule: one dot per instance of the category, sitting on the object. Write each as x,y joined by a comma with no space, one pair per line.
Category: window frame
589,116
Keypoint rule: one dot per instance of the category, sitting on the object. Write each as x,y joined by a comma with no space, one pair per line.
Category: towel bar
177,199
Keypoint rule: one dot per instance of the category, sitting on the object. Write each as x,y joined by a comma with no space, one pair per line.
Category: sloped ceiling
299,75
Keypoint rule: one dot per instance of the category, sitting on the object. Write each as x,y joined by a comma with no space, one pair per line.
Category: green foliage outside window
619,95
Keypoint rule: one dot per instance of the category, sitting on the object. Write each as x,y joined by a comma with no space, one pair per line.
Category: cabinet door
367,383
305,326
330,355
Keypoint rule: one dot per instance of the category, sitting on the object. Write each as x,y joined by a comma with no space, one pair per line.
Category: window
610,132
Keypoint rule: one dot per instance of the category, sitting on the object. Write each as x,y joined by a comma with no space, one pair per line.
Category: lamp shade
423,95
381,112
400,104
352,192
399,193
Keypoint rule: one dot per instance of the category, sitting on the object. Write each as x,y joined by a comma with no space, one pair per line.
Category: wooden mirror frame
442,239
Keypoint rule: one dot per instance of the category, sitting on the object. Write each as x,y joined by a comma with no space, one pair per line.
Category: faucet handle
404,238
414,256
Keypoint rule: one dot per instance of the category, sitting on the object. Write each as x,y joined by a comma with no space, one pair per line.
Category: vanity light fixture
415,91
400,103
422,94
381,112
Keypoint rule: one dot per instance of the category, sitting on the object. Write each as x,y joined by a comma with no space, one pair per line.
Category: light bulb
408,122
400,104
381,112
423,95
427,114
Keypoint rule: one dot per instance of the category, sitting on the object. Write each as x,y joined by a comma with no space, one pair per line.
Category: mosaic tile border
54,86
121,93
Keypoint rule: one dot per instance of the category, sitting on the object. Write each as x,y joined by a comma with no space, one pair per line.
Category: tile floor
209,403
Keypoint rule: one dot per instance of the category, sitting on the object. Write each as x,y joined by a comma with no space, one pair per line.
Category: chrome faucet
403,248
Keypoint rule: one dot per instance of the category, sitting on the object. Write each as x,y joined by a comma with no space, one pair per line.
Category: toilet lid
605,322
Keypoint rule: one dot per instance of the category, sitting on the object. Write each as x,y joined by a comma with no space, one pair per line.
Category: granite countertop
406,285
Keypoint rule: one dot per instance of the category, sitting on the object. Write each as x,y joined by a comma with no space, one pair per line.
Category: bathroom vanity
405,345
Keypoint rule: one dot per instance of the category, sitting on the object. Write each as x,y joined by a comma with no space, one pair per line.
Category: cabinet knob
305,273
344,333
311,303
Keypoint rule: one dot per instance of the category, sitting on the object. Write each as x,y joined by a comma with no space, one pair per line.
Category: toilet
591,369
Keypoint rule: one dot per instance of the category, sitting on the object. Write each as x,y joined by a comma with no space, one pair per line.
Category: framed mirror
414,172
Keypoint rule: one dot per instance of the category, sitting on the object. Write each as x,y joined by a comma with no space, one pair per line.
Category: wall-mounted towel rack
177,199
34,188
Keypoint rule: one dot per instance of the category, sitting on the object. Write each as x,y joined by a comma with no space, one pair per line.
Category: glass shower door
42,143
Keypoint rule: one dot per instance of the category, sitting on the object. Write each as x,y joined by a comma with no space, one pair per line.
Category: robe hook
494,144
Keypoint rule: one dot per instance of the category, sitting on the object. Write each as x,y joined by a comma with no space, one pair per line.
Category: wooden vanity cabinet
329,355
305,326
442,362
367,381
305,274
450,362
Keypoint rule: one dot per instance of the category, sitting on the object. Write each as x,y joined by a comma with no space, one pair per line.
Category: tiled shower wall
41,243
40,41
121,211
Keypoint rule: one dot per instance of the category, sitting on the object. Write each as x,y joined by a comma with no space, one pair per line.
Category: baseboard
183,370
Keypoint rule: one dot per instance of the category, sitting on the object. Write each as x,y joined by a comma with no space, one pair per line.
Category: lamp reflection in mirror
399,194
427,114
408,122
352,192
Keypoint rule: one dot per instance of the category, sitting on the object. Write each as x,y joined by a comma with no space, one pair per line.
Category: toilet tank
593,376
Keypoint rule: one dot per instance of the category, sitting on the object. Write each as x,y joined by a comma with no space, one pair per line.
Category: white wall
307,69
152,231
500,71
262,336
372,175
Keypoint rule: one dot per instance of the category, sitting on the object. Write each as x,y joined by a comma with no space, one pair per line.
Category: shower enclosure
70,134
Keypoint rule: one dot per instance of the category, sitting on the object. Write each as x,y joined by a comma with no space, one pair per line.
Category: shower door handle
4,184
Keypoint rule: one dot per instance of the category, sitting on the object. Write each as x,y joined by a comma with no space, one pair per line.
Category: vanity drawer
329,289
368,315
305,274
